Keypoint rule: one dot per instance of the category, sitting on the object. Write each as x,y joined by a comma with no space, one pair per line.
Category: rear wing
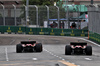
28,42
78,43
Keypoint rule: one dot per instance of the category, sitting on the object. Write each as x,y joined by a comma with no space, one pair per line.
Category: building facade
9,12
10,2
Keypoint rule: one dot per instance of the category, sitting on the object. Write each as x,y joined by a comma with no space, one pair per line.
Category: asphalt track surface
53,52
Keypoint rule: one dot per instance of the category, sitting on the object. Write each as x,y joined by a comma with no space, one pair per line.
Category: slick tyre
39,47
88,50
68,50
19,48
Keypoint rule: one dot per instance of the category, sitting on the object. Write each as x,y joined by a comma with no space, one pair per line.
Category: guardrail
43,31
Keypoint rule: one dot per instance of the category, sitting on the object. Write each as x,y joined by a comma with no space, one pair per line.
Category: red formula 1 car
78,48
30,46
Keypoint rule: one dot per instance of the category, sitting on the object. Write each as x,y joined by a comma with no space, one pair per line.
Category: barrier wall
94,36
43,31
12,29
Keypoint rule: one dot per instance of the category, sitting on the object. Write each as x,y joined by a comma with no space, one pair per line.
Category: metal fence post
98,17
25,14
58,15
78,16
27,3
47,16
14,13
37,16
3,14
67,17
89,24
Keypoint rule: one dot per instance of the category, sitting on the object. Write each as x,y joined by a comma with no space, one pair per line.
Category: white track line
57,56
34,59
78,65
88,41
88,59
7,59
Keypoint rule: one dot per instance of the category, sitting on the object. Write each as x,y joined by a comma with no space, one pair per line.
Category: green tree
41,2
42,12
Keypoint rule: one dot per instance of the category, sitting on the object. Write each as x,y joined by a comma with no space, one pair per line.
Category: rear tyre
39,47
88,50
19,48
68,50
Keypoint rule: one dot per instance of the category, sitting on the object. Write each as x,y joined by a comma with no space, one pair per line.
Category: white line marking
88,59
63,59
78,65
67,61
47,51
73,63
34,59
43,49
52,54
7,59
90,41
60,57
57,56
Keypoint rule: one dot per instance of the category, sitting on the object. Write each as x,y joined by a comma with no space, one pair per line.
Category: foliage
41,2
42,10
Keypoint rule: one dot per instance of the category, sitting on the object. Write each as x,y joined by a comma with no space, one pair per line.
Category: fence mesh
94,18
37,16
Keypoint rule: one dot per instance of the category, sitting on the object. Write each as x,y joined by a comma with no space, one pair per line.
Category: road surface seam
12,42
